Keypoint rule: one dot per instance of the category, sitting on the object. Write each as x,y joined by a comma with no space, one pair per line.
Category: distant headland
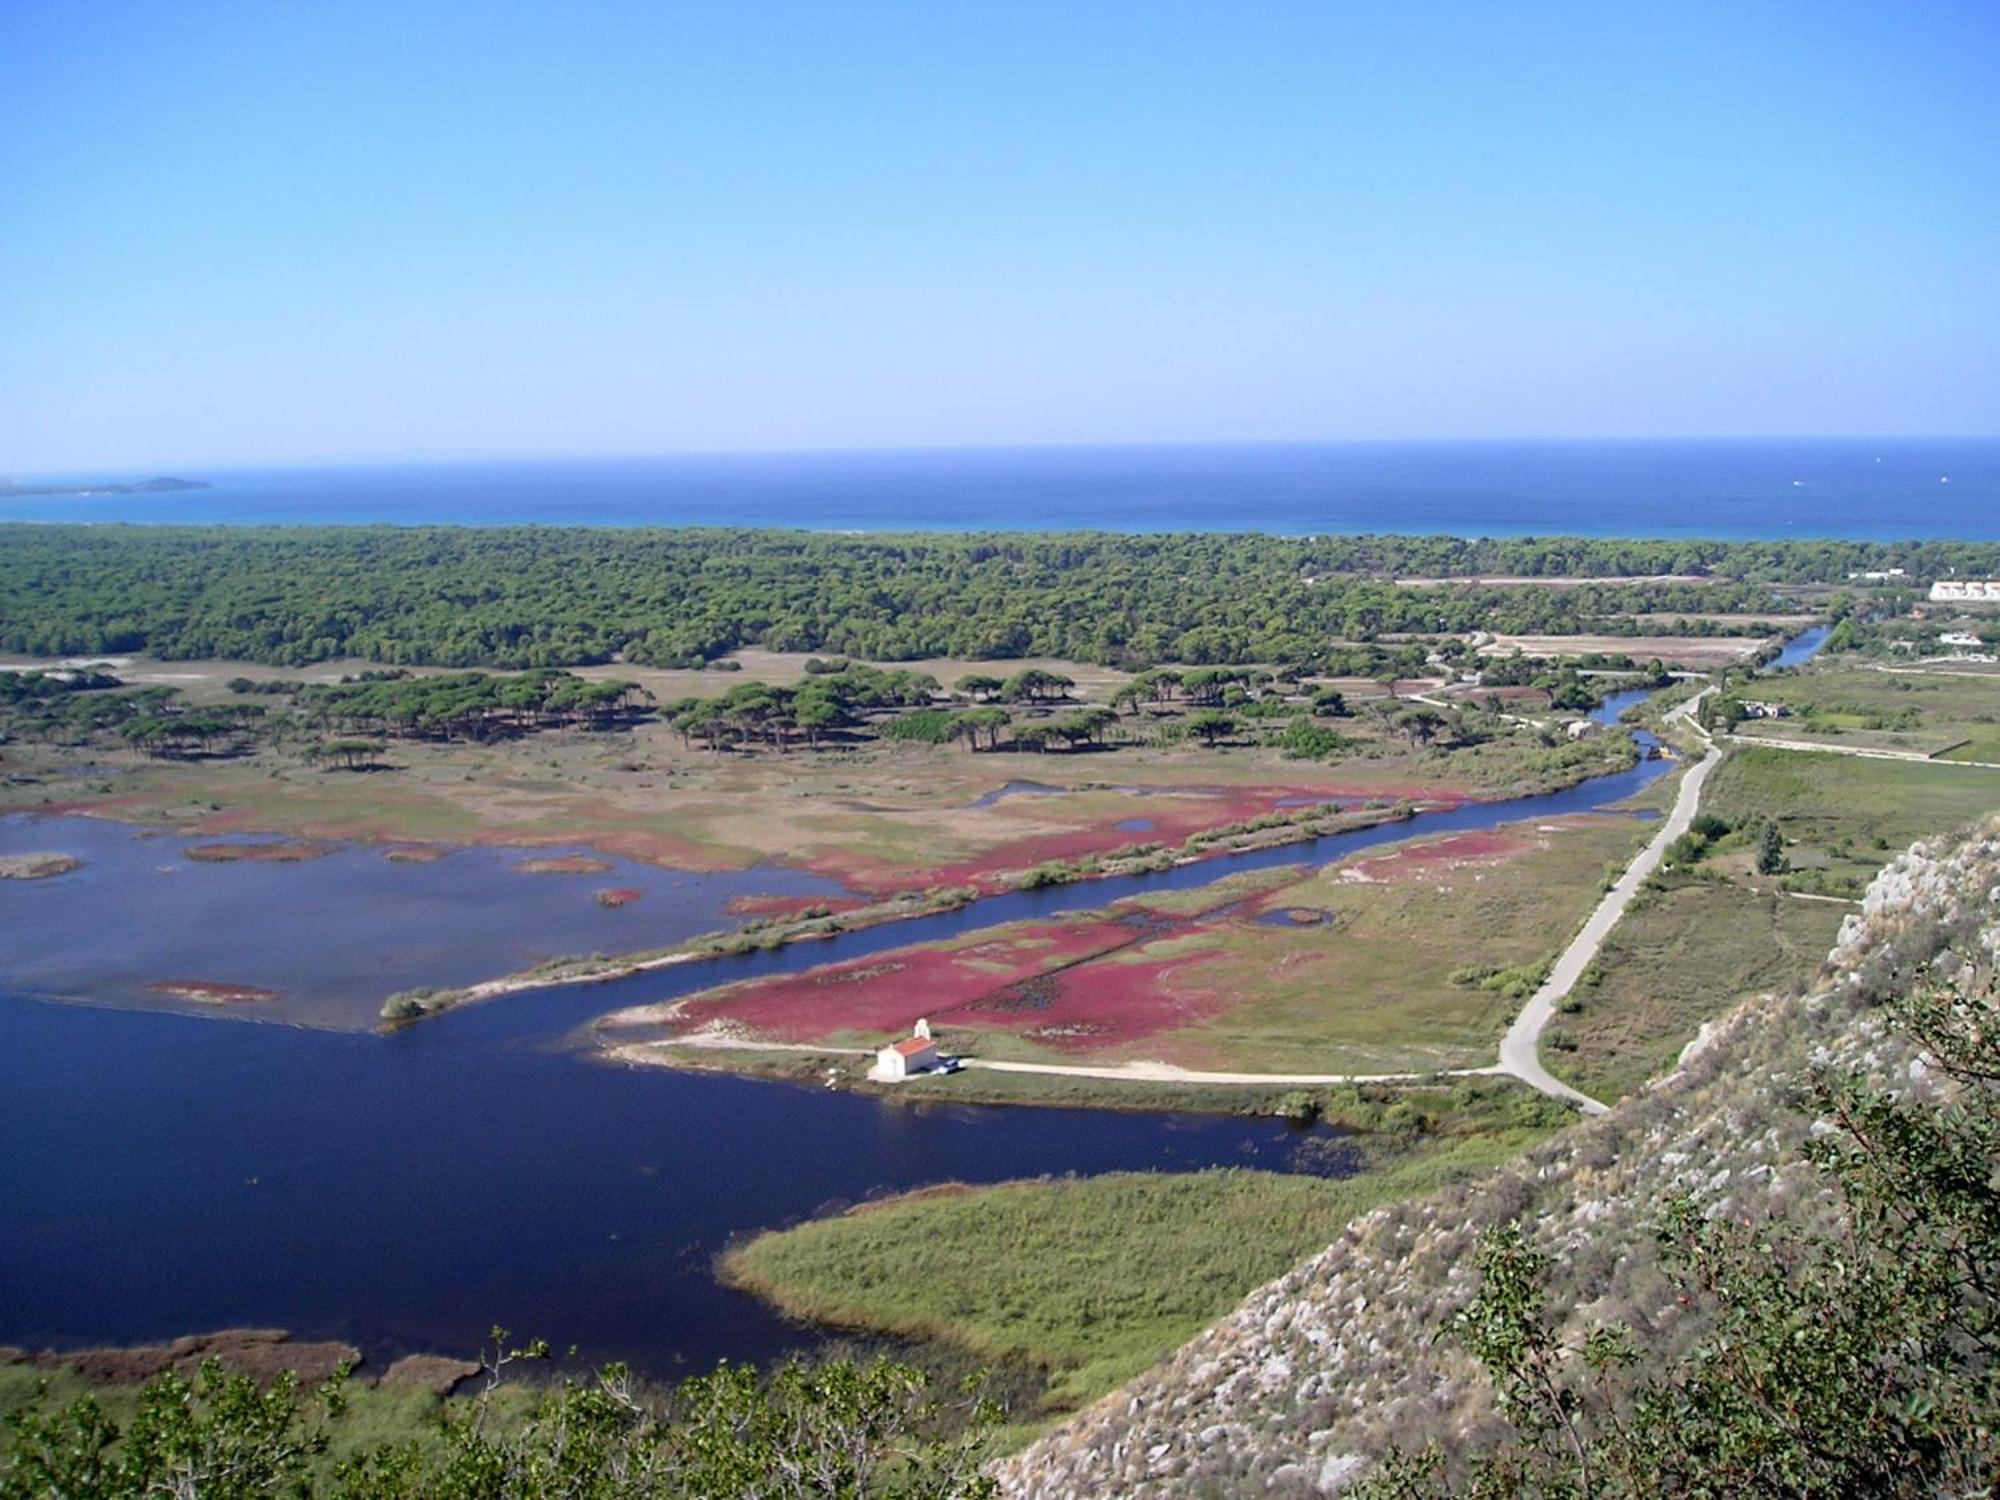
164,485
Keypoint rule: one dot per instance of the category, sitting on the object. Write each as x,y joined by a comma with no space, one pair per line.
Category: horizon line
446,459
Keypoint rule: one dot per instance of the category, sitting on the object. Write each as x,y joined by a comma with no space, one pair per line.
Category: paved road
1159,1072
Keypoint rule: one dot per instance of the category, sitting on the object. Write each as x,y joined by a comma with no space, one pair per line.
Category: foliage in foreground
1858,1360
831,1429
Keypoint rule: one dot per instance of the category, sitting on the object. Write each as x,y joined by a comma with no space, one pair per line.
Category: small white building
915,1053
1966,591
1960,638
1582,729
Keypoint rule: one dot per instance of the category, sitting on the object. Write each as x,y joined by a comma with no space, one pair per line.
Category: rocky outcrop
1319,1372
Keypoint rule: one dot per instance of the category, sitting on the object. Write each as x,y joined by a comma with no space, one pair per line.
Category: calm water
167,1173
334,936
1861,490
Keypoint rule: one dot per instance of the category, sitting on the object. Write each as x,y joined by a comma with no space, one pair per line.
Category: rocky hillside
1319,1372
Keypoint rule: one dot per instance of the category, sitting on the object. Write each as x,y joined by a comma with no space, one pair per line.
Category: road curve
1520,1048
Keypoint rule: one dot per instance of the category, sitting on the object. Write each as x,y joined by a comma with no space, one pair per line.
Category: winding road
1520,1048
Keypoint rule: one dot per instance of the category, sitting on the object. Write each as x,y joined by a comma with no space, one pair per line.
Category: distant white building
1884,576
1966,591
1581,729
1755,710
1959,638
915,1053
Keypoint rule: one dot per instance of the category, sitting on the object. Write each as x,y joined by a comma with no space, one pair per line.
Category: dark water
168,1173
1861,490
164,1173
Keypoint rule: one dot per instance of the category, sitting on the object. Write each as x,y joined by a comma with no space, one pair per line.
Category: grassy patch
1092,1279
1850,703
1841,815
1685,953
1692,946
1372,988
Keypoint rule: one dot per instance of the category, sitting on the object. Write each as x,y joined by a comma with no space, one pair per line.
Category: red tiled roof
910,1046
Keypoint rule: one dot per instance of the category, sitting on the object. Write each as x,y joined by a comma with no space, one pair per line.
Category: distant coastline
164,485
1731,490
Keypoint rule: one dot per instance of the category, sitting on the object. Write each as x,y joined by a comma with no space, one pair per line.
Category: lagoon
167,1173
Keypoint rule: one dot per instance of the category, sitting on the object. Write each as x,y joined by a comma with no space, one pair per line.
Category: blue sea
1860,490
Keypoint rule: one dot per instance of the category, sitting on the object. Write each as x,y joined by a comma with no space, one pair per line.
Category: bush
1850,1354
1298,1107
928,726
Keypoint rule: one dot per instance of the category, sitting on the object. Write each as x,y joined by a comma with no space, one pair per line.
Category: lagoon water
333,936
1730,489
166,1174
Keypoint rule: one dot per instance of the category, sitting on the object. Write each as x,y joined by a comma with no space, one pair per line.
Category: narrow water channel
164,1174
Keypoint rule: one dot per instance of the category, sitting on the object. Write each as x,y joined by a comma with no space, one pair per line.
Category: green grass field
1092,1279
1371,989
1694,946
1845,815
1852,703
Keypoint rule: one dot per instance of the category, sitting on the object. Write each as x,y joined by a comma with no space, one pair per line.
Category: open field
1092,1279
1695,653
1405,959
1852,703
1841,816
1686,952
1699,940
880,815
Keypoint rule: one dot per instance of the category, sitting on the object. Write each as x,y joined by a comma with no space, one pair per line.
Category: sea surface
1769,489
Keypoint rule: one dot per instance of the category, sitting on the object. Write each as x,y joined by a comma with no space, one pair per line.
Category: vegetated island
165,484
37,866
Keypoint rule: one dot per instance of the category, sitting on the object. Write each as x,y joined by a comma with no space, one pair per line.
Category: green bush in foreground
1852,1361
832,1429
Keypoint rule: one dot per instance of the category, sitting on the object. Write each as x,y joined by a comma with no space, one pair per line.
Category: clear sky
294,230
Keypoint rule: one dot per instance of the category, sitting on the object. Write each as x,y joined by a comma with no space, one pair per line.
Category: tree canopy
533,597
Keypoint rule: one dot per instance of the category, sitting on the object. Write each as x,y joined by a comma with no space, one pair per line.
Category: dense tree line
527,597
470,705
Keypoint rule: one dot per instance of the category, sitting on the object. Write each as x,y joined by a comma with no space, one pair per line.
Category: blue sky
280,231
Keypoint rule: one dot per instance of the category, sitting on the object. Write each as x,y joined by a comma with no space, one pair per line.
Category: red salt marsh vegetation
886,992
1205,978
1165,815
285,852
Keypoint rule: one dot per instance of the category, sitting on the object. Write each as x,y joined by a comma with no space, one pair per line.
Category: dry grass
1685,954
